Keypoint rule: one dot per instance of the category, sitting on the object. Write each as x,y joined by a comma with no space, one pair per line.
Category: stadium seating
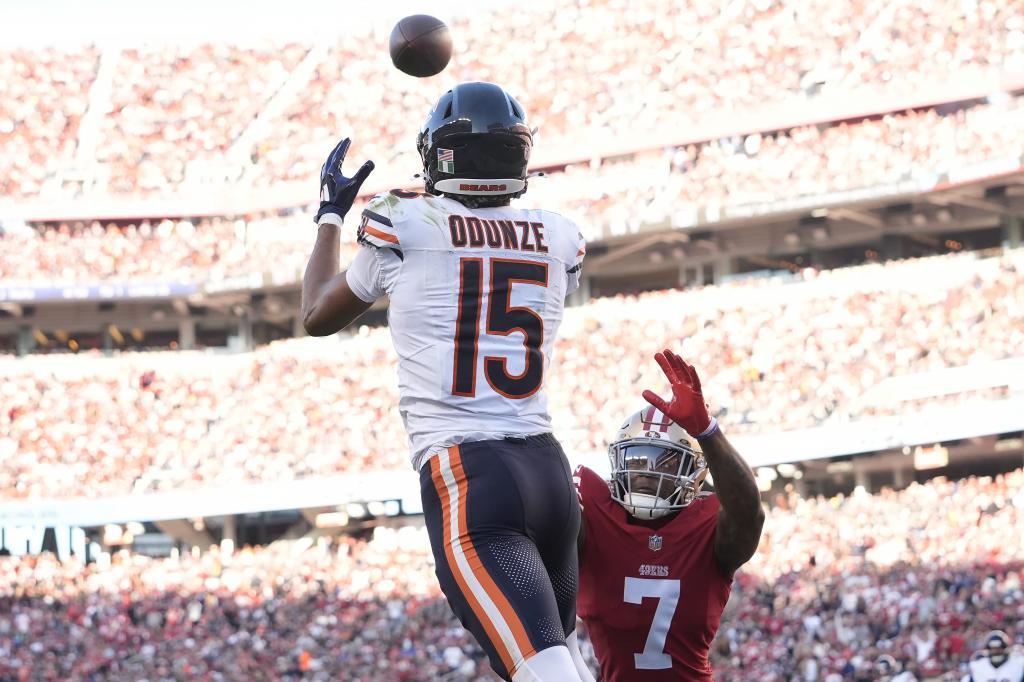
625,193
202,250
838,582
835,583
175,115
774,357
45,94
174,109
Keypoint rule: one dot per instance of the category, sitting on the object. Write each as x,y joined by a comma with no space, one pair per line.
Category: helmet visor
650,469
650,457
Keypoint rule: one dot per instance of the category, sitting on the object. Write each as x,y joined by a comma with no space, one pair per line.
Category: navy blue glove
336,191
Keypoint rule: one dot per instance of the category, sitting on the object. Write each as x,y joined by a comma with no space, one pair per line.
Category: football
421,45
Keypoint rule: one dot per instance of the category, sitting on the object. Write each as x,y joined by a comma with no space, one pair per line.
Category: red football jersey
651,593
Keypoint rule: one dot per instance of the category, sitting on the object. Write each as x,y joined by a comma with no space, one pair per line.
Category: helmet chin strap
646,507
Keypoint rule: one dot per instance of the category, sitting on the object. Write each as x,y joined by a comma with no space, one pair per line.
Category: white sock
572,642
553,664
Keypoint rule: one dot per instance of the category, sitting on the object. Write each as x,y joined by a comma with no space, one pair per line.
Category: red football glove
687,407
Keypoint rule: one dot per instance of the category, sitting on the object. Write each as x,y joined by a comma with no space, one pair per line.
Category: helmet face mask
655,469
475,145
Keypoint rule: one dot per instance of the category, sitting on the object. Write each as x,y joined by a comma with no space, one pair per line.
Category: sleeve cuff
329,219
358,288
710,431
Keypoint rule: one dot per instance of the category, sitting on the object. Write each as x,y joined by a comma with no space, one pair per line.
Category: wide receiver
476,292
657,554
998,664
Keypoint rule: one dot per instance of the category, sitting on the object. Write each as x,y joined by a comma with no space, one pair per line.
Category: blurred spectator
370,610
45,93
942,567
175,115
185,250
624,194
780,356
175,111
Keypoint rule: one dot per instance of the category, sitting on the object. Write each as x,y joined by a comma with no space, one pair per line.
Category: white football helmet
656,468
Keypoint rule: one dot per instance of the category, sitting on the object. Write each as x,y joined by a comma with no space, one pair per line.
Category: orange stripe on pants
449,552
478,568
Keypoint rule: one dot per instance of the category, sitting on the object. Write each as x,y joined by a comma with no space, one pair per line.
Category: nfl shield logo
654,543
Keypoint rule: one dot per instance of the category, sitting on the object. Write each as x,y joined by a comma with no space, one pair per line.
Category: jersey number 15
502,319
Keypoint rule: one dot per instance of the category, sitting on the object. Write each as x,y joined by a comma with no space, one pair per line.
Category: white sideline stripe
462,564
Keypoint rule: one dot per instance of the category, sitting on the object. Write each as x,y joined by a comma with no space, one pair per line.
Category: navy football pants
503,516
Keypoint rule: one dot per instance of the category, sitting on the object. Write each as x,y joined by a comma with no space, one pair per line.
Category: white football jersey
476,298
1012,670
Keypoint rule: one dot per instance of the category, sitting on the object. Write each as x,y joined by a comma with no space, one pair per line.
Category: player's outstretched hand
337,192
687,407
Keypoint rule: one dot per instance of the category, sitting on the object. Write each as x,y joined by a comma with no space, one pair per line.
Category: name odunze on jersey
476,298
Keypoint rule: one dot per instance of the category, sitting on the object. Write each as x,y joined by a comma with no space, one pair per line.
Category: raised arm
741,516
328,303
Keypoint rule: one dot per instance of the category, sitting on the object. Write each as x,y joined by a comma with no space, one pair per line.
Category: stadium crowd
621,194
175,114
656,187
202,250
838,582
45,95
176,110
835,583
775,356
620,71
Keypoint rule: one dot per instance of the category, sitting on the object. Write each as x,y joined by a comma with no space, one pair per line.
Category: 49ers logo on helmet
469,187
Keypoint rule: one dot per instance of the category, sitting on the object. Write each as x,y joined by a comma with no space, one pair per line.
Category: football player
998,663
477,290
887,669
657,553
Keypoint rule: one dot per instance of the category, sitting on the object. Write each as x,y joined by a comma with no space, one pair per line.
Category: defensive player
476,291
998,664
657,554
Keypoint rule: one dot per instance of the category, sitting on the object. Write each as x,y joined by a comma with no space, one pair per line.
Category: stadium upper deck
152,118
617,196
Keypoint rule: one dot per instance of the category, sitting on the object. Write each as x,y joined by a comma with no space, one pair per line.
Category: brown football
421,45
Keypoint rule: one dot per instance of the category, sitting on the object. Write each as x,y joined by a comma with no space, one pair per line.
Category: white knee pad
582,670
553,664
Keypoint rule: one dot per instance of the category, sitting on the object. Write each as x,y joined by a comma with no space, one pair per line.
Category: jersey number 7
502,319
653,657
